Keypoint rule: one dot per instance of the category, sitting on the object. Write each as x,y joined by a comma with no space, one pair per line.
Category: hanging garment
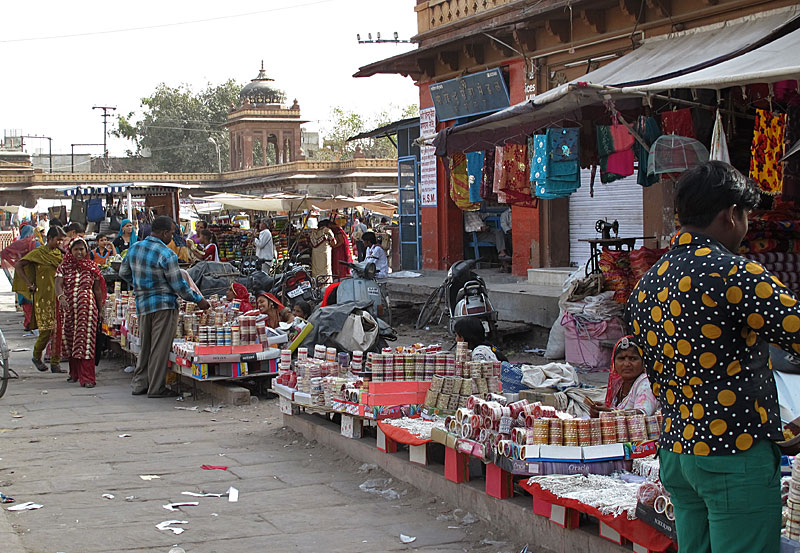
791,173
648,129
719,144
615,148
538,152
678,122
459,184
487,180
513,182
588,146
498,174
555,171
767,150
475,175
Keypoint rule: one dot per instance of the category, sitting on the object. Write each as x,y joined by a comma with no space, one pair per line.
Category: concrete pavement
61,447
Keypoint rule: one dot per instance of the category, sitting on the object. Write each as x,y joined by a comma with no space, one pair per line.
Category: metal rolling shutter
620,200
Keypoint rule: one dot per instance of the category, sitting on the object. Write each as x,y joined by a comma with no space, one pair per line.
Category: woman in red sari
9,256
239,292
81,292
341,251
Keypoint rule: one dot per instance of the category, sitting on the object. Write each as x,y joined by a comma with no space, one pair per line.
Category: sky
308,46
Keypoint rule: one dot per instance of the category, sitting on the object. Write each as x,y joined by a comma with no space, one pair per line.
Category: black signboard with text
470,95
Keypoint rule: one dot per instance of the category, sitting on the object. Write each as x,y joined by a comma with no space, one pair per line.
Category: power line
165,25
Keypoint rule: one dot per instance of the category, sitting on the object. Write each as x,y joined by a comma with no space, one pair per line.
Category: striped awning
96,190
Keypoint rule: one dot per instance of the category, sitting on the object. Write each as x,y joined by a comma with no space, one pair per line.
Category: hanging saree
767,150
487,177
475,175
678,122
791,173
648,129
514,181
459,183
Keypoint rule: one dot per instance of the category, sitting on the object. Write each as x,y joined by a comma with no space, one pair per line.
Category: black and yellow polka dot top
705,318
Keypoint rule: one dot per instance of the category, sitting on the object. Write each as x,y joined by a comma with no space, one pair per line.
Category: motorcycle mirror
369,271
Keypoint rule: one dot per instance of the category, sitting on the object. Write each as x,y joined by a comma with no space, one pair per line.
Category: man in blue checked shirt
152,269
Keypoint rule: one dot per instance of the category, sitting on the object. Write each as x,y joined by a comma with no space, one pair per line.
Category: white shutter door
620,200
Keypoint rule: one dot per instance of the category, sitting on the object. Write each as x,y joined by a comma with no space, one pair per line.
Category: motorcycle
6,372
296,283
465,295
362,288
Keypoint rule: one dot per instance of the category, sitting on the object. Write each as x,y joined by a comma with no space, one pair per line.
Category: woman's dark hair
369,237
76,227
471,329
711,187
324,223
209,235
55,223
55,232
305,307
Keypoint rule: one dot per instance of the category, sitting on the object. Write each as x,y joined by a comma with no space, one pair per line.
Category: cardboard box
439,436
603,452
200,370
250,348
393,387
302,398
391,399
212,350
561,452
643,449
649,516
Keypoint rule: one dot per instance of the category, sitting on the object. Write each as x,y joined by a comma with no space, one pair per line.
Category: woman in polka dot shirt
704,318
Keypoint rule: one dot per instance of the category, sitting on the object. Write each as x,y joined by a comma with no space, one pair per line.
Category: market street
63,450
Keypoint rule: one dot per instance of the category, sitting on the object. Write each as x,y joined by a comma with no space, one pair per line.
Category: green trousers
726,504
41,344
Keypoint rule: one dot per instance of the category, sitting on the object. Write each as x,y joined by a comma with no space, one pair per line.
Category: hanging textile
555,171
459,184
791,173
513,183
615,148
719,144
678,122
588,146
487,179
767,150
475,175
499,154
648,129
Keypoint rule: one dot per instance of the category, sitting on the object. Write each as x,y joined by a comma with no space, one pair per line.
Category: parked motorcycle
362,288
464,294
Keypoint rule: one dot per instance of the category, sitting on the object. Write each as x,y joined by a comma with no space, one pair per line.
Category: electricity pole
50,155
106,115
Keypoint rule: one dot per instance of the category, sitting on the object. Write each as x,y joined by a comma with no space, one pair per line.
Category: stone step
550,276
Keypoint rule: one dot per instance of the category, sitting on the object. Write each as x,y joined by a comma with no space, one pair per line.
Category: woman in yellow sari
34,278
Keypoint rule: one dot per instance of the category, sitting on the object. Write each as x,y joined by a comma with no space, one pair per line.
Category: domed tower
262,130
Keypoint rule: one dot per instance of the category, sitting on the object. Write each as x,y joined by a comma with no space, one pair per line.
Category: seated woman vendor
471,331
239,292
628,386
271,310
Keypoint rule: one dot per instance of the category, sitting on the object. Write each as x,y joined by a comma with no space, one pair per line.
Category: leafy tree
344,124
176,124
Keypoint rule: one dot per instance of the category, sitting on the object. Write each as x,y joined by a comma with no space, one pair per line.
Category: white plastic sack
359,332
719,144
551,375
555,341
596,308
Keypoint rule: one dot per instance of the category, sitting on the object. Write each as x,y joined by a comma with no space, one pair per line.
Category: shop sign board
474,94
427,181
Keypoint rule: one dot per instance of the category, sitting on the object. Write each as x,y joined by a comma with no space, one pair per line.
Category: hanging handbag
78,212
94,210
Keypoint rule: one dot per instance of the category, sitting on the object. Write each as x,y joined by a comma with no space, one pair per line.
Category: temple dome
260,92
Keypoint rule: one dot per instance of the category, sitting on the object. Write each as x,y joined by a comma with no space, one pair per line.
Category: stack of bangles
663,506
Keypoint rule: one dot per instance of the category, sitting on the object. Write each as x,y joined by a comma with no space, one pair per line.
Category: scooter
362,288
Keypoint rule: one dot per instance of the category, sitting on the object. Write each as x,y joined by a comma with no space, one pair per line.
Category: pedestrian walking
34,278
321,241
265,246
704,318
81,293
11,254
356,236
152,270
341,251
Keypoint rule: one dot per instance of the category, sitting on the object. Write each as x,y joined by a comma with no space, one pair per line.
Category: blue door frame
408,213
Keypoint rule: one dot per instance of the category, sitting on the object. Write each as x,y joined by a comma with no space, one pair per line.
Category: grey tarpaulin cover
208,277
328,322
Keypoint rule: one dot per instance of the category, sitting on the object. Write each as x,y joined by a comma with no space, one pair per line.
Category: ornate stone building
262,130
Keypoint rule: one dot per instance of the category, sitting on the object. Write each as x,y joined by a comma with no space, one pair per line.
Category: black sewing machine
605,228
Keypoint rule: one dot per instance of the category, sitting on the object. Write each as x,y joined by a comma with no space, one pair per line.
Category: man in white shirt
376,254
265,248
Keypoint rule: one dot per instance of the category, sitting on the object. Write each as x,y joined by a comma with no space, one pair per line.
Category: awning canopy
292,204
388,129
777,61
678,57
95,190
666,56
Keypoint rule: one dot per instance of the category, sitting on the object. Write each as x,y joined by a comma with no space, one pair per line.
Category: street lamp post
219,157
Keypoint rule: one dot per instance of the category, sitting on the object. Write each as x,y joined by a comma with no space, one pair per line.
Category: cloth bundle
554,163
616,268
641,261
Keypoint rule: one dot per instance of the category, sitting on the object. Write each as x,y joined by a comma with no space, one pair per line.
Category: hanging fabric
791,173
555,170
487,180
678,122
767,150
459,183
615,148
719,144
475,175
499,154
513,183
648,129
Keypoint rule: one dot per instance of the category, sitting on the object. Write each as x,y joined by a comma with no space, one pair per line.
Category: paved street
62,449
